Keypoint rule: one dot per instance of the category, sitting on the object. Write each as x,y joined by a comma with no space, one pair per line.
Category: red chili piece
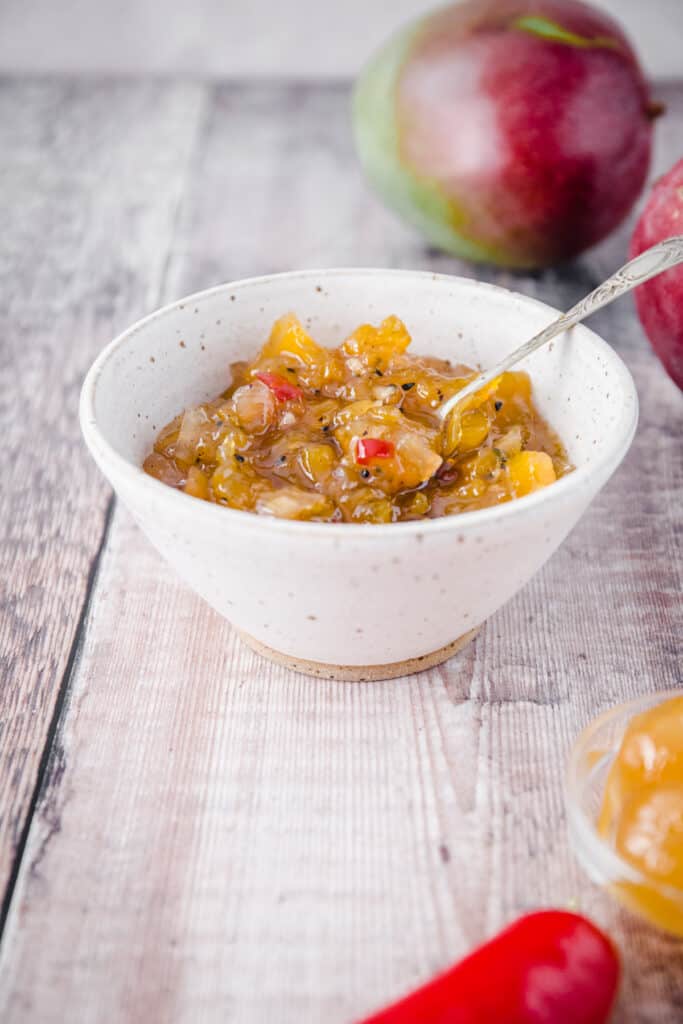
373,448
551,967
281,388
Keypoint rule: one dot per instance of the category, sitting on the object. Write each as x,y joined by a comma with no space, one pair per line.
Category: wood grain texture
90,182
220,840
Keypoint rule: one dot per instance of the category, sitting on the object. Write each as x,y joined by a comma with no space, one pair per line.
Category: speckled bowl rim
602,466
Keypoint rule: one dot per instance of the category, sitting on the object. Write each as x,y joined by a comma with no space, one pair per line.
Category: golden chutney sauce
352,434
642,810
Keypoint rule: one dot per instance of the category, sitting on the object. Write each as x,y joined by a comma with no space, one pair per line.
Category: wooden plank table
188,833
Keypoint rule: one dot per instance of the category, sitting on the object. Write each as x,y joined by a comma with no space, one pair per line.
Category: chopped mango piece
474,429
513,385
374,347
366,505
292,353
649,833
418,505
651,754
236,484
289,341
317,461
529,471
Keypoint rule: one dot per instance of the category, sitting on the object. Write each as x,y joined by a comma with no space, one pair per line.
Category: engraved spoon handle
649,263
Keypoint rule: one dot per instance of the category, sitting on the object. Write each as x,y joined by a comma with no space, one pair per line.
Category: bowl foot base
361,673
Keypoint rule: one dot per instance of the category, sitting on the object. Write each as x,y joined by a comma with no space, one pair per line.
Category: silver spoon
649,263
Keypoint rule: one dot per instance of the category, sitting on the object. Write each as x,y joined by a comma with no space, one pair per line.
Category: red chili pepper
281,388
551,967
373,448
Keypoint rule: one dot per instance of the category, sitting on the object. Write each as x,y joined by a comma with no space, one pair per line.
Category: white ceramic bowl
353,601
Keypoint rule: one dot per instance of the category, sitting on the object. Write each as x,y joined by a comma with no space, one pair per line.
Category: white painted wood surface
214,839
90,181
218,38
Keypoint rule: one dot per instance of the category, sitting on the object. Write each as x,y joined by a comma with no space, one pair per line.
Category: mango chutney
642,811
352,434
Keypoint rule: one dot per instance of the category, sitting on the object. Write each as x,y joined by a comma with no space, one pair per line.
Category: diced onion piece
511,442
255,407
295,503
168,435
164,469
194,424
348,414
197,483
417,459
320,415
388,394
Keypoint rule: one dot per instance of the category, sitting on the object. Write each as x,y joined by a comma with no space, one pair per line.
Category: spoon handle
649,263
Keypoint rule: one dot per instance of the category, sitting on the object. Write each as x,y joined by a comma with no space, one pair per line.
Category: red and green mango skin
509,131
660,301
